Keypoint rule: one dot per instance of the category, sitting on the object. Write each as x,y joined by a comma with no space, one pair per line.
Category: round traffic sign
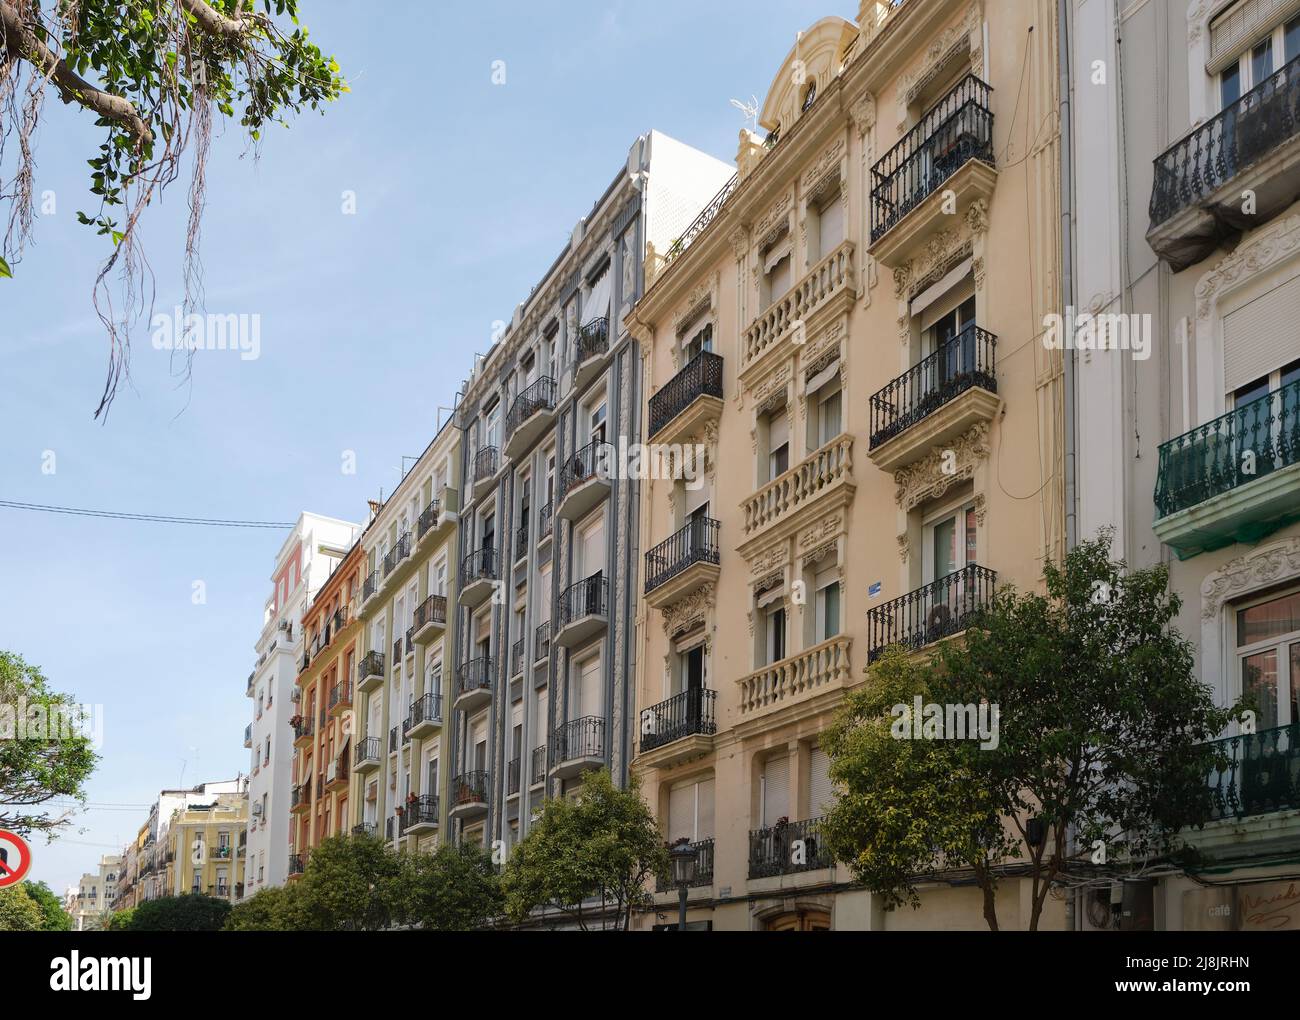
15,858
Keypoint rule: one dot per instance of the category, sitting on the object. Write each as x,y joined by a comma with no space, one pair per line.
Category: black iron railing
428,519
300,795
521,540
367,749
537,767
474,675
697,542
469,788
592,461
588,597
303,728
388,828
423,810
701,221
364,829
593,340
1261,773
1198,164
340,694
538,396
682,715
957,129
431,610
703,867
397,553
480,565
542,641
297,864
397,653
578,738
371,584
517,658
485,463
425,708
545,522
785,849
371,664
931,612
966,361
512,777
1247,443
392,740
702,377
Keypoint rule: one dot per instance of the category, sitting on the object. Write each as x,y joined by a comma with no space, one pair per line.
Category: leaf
4,269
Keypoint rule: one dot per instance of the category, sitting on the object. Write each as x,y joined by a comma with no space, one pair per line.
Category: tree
120,920
274,909
43,752
1101,732
192,912
455,888
161,70
19,911
589,858
56,918
350,883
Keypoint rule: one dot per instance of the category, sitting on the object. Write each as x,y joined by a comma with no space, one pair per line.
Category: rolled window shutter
776,790
821,792
1261,335
704,812
681,812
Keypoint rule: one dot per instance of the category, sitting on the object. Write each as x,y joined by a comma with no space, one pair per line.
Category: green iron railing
1261,773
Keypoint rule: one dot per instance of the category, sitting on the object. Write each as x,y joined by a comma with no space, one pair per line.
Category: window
596,423
827,604
825,403
1268,658
1256,64
829,208
950,543
778,443
776,269
699,343
774,626
774,795
690,810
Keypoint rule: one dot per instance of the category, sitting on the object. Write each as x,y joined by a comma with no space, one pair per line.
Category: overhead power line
210,522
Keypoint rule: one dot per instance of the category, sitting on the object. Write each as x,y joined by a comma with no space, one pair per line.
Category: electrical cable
212,522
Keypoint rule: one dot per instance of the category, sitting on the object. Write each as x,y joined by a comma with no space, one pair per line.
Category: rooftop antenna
750,110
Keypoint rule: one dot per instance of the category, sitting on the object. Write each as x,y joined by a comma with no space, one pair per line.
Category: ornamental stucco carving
1258,568
928,479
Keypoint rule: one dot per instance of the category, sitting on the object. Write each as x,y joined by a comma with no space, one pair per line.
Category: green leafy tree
120,920
276,909
590,858
56,918
456,888
351,883
1103,733
43,752
155,75
19,911
193,912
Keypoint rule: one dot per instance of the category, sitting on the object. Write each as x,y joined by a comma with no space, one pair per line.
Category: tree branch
20,41
214,22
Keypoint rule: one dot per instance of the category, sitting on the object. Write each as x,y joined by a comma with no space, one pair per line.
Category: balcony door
1268,658
690,810
591,548
589,701
701,342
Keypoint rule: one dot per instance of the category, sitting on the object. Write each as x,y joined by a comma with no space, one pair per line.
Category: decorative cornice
1256,569
926,479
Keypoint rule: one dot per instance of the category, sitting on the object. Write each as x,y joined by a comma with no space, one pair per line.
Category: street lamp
684,857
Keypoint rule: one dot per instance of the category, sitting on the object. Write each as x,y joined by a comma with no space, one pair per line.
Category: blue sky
465,193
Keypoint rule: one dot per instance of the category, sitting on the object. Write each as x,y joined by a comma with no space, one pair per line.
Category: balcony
822,668
365,757
486,464
430,619
517,659
685,402
410,641
577,746
393,735
397,554
678,729
297,864
537,766
1233,479
825,291
582,611
521,539
584,480
469,794
427,524
337,775
787,849
388,829
479,574
300,797
512,777
303,731
542,642
589,351
370,671
370,585
682,563
703,867
949,151
473,684
397,653
809,484
340,699
421,815
529,416
248,735
936,400
932,612
426,716
1261,774
1196,193
365,829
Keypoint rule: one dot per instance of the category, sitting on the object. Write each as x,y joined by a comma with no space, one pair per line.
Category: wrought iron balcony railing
592,461
537,766
785,849
470,788
701,377
397,653
521,540
364,829
367,749
542,641
1247,443
697,542
701,221
932,612
425,708
297,864
480,565
474,675
703,867
682,715
588,597
1198,164
340,694
578,738
392,740
538,396
512,777
371,584
486,462
965,361
957,129
423,810
428,519
1261,774
517,658
545,522
371,664
303,728
593,340
431,610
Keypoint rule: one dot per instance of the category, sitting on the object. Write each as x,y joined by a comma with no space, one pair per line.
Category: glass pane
1259,685
945,548
1229,86
831,613
830,415
1269,619
1261,62
1291,40
970,535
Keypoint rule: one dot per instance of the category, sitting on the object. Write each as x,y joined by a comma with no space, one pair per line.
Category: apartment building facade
91,900
402,678
305,561
849,335
323,724
1186,147
547,598
205,849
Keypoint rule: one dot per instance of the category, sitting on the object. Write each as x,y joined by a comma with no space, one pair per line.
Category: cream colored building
851,331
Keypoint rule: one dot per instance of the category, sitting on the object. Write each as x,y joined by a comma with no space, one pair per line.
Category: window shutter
704,813
1261,336
1240,27
776,789
821,792
832,225
597,304
541,724
778,429
589,699
681,812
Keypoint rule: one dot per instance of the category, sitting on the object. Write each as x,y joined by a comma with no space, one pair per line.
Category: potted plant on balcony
295,720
